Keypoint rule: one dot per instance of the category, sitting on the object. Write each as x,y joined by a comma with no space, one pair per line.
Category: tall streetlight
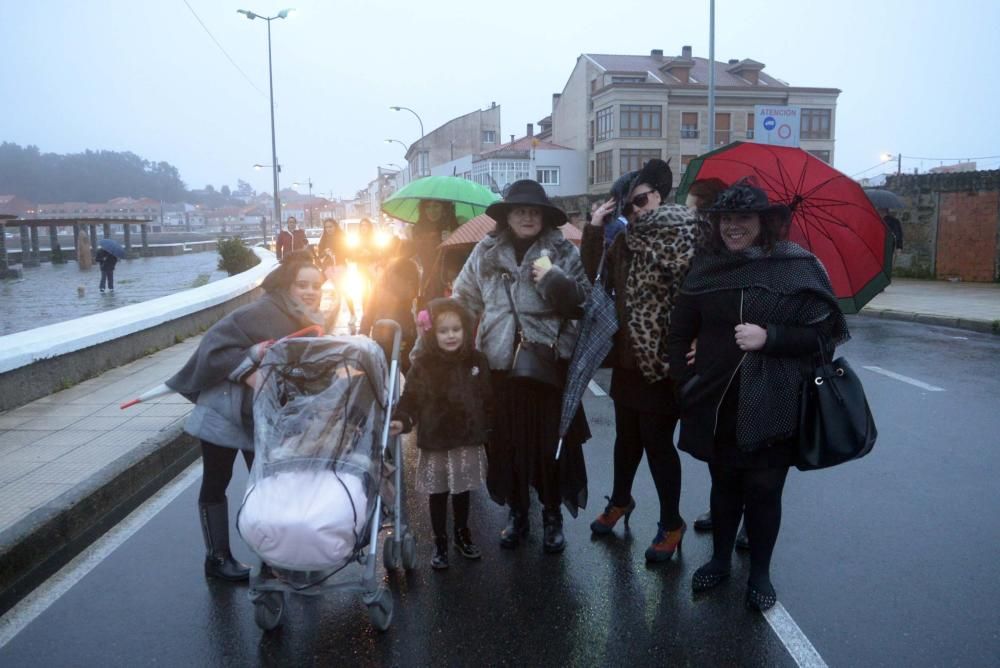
307,182
886,157
403,144
415,114
270,80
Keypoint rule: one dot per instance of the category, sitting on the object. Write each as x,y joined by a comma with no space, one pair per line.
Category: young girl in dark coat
448,393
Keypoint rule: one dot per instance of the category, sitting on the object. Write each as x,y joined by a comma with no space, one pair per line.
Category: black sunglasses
641,200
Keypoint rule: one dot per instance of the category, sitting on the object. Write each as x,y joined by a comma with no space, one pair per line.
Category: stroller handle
397,336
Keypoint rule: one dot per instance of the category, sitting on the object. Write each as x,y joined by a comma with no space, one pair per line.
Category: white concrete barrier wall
24,348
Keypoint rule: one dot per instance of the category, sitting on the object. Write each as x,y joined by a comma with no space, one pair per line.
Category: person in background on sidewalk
107,261
645,265
291,239
219,379
449,395
760,307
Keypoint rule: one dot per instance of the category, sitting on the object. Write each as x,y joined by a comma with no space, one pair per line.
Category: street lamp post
415,114
403,144
308,182
270,80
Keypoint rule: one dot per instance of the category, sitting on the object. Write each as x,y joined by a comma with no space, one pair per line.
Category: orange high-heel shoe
606,521
665,543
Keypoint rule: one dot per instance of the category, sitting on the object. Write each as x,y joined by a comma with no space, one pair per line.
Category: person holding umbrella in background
646,264
107,257
528,265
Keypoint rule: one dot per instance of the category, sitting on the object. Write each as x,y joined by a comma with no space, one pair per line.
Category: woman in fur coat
527,261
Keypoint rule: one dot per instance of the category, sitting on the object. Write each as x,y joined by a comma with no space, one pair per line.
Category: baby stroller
322,477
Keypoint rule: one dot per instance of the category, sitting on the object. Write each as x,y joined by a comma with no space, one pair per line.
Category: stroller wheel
268,608
409,551
391,554
380,610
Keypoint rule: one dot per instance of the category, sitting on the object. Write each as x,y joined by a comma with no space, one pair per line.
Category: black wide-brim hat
526,193
745,198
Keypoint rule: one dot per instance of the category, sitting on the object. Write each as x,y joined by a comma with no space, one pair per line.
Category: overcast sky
918,76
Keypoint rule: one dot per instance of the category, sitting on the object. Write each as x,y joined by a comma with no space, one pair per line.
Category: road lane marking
792,637
47,593
596,389
905,379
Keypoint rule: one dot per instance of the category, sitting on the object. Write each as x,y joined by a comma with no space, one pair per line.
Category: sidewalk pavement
72,462
972,306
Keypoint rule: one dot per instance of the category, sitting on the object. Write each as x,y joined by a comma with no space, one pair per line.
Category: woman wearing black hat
645,266
760,307
527,261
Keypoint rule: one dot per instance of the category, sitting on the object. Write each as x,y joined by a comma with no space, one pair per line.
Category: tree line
98,176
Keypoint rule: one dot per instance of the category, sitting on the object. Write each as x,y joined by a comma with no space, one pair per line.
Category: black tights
217,466
653,434
439,511
756,494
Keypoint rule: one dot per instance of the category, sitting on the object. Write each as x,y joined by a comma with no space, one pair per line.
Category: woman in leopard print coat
644,267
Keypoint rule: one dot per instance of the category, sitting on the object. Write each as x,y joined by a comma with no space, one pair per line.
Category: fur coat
543,308
448,394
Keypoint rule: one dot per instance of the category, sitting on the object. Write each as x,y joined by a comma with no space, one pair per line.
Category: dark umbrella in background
593,343
831,215
113,247
884,199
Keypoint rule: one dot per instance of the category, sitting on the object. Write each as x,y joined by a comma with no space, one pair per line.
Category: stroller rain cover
317,470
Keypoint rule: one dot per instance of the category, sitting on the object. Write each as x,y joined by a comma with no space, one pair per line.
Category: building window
750,125
603,166
640,120
822,155
605,124
547,176
815,124
685,161
590,173
722,128
689,125
632,159
628,79
489,136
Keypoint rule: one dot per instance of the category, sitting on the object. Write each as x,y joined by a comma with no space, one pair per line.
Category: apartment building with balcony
470,134
619,111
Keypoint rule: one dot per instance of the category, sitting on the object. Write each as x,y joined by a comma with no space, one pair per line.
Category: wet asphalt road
889,561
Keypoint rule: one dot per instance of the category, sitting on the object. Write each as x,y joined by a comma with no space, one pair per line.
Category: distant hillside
91,176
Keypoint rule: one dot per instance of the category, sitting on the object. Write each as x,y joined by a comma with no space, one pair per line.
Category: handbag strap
507,280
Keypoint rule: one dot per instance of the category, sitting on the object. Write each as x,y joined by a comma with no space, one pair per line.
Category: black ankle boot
553,540
440,559
219,562
516,529
464,544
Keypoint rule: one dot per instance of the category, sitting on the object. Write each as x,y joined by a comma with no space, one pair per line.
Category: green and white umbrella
470,199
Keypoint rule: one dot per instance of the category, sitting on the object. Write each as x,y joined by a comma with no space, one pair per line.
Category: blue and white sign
778,126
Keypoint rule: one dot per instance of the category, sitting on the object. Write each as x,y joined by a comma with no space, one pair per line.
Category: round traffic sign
785,131
769,123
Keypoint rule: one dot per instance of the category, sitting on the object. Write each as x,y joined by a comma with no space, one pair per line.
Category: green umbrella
470,199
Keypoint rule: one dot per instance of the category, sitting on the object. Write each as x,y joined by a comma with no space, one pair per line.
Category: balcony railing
689,133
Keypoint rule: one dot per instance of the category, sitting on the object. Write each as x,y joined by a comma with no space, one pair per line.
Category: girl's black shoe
464,544
440,559
708,576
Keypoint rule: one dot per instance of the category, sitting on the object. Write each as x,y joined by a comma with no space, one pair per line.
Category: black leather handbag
533,361
835,424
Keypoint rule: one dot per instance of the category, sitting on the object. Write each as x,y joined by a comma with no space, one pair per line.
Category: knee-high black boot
219,562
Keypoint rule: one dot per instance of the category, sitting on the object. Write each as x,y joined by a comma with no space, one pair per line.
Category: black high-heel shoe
705,579
762,600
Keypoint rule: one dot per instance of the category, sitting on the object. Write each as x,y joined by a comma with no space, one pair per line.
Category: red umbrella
831,215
